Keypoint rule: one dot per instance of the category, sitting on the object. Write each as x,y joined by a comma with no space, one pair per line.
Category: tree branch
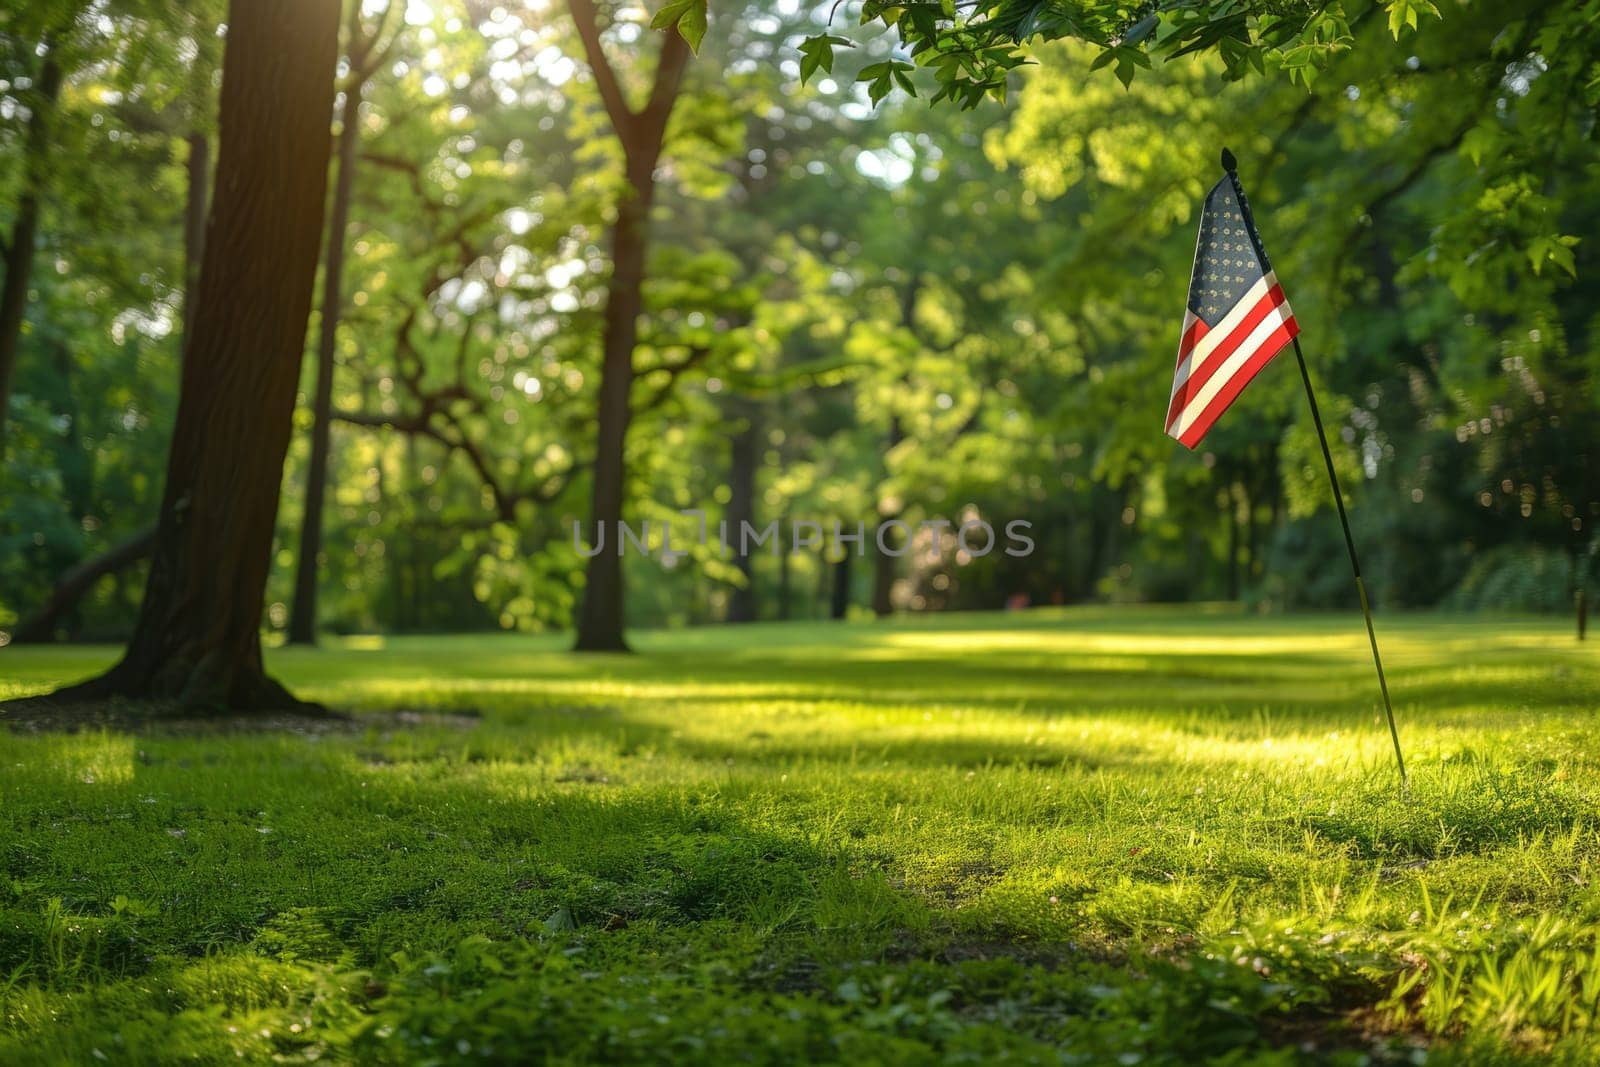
374,57
40,627
670,65
585,18
697,355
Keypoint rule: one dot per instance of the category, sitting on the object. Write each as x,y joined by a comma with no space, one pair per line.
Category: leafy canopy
972,46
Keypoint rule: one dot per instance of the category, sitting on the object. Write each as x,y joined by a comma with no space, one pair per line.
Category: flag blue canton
1227,260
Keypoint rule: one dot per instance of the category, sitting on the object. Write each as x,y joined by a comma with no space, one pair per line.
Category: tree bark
884,566
74,462
785,574
600,623
1232,513
1250,566
744,450
883,575
600,619
415,564
197,641
194,221
839,603
19,250
303,613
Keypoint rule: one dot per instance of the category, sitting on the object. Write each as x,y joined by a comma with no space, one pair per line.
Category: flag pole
1355,563
1231,165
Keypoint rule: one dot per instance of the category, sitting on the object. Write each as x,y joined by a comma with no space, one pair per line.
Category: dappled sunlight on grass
91,758
771,807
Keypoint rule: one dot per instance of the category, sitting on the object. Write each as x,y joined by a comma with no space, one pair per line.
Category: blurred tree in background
851,307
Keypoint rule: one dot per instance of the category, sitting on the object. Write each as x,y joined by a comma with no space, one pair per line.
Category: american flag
1237,318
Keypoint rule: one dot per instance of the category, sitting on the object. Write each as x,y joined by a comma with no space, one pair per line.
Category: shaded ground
149,717
1059,837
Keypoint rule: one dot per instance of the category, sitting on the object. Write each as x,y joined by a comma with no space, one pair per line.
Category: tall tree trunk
885,566
194,221
74,462
600,619
600,622
197,641
744,450
19,250
1232,512
883,575
415,564
303,614
820,599
1250,565
839,603
785,572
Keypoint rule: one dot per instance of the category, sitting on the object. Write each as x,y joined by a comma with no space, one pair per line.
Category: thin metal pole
1355,564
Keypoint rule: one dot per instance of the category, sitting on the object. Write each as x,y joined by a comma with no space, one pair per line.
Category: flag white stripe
1189,319
1219,333
1241,355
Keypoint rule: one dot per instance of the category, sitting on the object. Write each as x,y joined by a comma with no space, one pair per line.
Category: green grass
1085,836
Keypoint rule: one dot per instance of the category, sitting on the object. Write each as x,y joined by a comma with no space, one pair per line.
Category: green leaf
1557,250
816,53
1406,13
668,16
693,24
879,88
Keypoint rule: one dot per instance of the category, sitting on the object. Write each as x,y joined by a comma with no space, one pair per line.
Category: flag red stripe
1241,378
1219,355
1191,337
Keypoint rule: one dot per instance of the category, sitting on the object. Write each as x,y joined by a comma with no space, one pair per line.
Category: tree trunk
1232,512
744,450
197,641
194,222
303,615
600,622
415,564
785,573
600,619
884,565
883,575
74,462
839,605
18,263
1250,564
819,599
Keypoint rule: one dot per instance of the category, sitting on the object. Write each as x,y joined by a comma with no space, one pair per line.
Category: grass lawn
1083,836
